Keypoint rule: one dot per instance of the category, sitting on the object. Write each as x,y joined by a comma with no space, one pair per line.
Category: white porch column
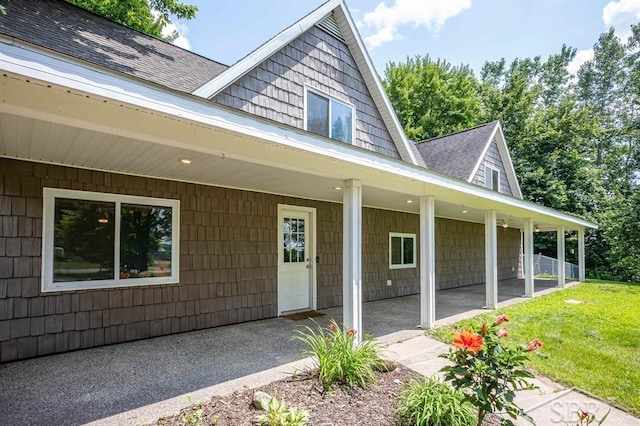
581,269
352,256
561,254
528,259
491,258
427,263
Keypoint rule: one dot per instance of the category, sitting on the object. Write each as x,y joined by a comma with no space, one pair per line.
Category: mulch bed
341,406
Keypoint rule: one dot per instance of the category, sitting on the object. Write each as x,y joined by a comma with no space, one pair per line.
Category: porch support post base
561,254
491,258
352,256
529,282
427,263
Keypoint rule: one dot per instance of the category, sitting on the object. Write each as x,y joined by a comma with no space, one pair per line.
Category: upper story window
329,117
492,177
96,240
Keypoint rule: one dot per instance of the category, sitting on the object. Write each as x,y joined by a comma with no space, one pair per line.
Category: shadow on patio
92,384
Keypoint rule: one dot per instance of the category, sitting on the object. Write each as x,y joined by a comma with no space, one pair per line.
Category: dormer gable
478,155
321,54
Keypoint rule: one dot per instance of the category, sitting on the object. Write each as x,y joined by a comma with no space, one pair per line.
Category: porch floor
93,384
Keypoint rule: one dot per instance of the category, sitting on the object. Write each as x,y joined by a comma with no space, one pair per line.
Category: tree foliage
148,16
573,139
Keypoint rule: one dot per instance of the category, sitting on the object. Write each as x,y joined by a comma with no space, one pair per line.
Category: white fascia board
360,53
508,163
484,153
246,64
53,69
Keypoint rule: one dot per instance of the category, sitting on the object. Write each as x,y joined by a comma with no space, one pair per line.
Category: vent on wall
330,25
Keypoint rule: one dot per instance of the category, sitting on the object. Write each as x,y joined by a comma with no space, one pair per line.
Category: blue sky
459,31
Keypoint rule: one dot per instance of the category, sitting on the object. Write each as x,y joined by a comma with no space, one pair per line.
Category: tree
432,98
148,16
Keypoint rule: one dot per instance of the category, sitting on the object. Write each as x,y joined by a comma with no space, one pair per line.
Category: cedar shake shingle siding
275,88
492,159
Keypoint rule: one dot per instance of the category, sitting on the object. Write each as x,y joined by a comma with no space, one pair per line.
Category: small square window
402,250
492,177
95,240
329,117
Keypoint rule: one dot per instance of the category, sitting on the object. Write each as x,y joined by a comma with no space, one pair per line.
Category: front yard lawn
591,337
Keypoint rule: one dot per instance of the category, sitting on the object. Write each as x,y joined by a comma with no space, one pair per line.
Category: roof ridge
458,132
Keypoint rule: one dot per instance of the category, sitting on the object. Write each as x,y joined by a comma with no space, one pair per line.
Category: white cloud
621,15
582,56
182,29
386,21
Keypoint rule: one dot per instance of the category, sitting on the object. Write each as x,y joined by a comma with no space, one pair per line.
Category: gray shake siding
228,262
275,88
492,159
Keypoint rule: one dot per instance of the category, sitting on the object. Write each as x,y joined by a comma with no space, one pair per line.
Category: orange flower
503,332
351,332
499,320
533,345
468,341
331,326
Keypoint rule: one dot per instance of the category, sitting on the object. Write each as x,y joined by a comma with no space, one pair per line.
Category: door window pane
145,241
294,243
83,243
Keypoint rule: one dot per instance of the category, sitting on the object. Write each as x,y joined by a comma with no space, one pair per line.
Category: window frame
331,99
488,177
48,221
403,236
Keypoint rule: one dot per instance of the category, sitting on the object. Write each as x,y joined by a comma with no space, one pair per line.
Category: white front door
296,265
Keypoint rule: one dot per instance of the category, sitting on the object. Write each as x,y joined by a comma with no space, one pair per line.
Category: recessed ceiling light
103,220
185,160
409,201
464,212
337,188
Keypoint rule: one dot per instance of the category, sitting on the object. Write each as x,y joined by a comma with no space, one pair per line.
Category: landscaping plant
279,415
428,401
487,372
340,357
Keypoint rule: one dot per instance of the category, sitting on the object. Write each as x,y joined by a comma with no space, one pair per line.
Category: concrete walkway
136,382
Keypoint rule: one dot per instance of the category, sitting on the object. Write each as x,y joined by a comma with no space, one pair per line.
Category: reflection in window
83,240
145,241
294,243
96,240
329,117
402,250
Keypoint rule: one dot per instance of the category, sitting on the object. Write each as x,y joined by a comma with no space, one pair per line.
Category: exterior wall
493,159
275,88
460,253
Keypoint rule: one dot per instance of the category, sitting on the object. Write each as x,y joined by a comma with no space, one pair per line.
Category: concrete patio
154,376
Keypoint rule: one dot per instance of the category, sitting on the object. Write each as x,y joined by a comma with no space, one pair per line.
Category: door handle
308,266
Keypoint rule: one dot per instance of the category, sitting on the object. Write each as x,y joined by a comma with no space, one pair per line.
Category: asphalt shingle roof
71,30
456,155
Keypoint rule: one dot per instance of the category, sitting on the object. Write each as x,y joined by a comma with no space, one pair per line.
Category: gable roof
71,30
344,25
460,154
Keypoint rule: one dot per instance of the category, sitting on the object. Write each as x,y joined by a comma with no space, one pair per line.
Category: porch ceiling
48,123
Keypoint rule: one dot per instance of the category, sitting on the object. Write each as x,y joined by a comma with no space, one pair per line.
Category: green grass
593,345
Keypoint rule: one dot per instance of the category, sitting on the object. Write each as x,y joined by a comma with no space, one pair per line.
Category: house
146,190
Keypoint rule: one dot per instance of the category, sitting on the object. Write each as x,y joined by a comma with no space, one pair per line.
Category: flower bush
488,372
339,357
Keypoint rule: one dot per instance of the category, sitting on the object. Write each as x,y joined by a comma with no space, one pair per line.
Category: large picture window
329,117
95,240
402,250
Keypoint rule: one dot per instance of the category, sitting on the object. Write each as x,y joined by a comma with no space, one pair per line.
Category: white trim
244,65
33,64
402,236
307,89
488,172
48,219
311,250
